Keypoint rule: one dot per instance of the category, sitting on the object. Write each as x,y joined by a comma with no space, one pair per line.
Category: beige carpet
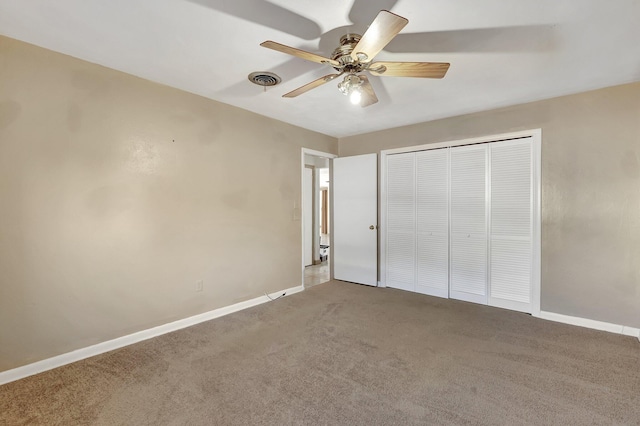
347,354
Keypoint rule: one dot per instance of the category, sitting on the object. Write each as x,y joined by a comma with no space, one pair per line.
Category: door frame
303,152
308,187
536,141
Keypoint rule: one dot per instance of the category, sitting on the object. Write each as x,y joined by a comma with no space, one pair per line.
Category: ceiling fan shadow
363,12
266,14
526,38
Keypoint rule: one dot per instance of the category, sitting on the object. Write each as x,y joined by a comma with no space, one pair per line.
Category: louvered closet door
401,221
511,225
432,204
468,224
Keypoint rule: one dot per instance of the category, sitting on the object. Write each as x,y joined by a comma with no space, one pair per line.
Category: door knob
372,227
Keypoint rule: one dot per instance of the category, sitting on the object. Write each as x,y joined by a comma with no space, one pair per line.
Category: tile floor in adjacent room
316,274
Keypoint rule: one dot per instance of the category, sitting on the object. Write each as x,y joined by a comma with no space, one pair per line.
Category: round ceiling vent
264,78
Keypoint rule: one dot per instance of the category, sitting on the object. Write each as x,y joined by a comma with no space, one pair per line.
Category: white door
355,217
468,203
307,215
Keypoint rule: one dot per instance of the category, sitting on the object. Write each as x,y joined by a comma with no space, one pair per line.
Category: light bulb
355,96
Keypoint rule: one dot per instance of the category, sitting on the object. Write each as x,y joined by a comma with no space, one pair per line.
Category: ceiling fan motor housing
342,54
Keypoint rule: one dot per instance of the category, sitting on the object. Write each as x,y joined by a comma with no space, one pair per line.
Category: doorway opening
316,217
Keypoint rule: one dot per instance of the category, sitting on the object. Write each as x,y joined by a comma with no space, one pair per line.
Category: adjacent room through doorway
316,235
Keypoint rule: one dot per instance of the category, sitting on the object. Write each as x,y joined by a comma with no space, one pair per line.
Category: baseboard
79,354
631,331
589,323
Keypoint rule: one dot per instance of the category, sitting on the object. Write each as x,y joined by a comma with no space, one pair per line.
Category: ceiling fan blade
368,95
315,83
299,53
381,31
409,69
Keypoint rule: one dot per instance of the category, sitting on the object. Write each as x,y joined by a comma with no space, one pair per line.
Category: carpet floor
347,354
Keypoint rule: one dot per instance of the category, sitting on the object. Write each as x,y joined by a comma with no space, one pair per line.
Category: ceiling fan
355,55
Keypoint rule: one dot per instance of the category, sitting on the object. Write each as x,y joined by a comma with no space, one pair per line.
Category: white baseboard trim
589,323
631,331
97,349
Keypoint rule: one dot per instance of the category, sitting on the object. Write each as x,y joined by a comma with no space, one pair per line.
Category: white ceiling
502,52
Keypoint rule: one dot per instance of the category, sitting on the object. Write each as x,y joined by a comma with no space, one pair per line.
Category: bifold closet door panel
432,225
469,268
433,265
511,225
401,221
468,204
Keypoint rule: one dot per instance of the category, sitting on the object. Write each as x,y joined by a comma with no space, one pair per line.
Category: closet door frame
536,142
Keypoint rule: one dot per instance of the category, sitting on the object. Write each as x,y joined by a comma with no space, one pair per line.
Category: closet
459,222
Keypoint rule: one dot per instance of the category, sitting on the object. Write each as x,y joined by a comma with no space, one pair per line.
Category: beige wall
590,192
117,195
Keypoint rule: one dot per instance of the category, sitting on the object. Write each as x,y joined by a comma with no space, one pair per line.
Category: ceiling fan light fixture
349,84
355,97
